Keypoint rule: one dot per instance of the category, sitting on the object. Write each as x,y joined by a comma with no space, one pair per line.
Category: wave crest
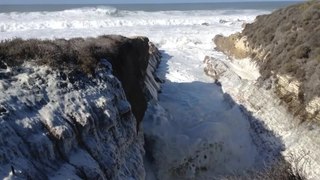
108,16
98,10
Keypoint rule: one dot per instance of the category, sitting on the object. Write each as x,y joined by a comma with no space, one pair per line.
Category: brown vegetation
287,42
292,36
78,53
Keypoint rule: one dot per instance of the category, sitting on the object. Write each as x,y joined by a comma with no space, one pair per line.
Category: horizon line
141,3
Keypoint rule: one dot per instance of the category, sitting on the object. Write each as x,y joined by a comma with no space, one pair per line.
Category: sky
116,1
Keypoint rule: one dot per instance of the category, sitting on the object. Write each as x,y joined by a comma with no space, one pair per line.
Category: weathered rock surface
301,141
286,47
74,117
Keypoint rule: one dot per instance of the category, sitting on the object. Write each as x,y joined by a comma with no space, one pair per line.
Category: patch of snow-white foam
199,134
103,17
194,131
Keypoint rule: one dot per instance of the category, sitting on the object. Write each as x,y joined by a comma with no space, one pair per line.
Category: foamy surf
103,17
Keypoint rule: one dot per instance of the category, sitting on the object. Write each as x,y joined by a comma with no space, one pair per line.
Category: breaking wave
107,16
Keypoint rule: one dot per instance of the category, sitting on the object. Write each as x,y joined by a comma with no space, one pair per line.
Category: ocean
21,20
197,116
150,7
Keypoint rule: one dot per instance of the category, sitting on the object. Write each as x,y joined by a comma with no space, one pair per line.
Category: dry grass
292,36
290,40
78,53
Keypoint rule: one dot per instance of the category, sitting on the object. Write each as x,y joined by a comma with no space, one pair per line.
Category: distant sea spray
22,18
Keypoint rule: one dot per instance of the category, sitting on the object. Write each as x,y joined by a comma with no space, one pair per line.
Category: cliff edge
69,109
286,47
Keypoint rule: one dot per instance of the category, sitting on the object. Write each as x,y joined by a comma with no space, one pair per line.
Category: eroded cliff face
76,118
301,144
285,46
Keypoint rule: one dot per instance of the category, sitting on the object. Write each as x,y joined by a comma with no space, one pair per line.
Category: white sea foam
198,132
103,17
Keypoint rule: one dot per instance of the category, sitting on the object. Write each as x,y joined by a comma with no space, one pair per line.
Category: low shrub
78,53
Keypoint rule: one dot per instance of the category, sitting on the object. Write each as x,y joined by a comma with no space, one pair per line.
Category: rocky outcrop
129,58
300,141
233,46
68,108
285,46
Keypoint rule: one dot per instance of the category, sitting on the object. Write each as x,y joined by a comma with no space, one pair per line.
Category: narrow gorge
160,99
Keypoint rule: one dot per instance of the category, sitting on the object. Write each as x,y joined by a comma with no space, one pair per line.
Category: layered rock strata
71,108
286,47
299,142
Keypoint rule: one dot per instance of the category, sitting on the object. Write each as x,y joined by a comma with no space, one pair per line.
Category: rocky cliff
71,108
299,143
286,47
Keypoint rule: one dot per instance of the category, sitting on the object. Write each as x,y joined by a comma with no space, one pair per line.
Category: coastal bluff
71,109
285,45
284,49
